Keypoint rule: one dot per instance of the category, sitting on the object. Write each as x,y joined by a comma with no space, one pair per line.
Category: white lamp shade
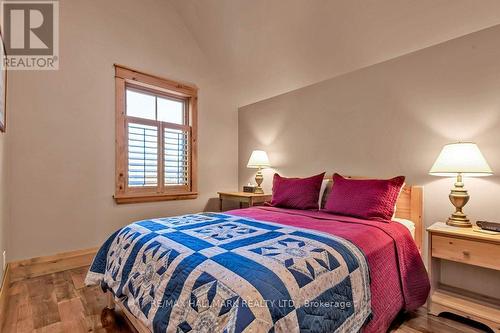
258,159
461,157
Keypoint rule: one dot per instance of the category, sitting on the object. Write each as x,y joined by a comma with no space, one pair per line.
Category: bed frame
409,206
136,323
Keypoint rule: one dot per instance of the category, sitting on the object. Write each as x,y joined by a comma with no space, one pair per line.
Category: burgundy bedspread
398,276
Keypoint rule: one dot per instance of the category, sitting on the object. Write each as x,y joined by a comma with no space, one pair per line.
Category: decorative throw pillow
297,193
371,199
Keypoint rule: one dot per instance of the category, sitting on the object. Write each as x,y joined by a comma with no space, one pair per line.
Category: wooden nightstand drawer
470,252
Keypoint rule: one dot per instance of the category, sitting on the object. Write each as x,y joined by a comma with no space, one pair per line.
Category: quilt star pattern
212,272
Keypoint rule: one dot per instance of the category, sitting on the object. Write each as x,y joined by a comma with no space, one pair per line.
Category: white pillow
324,183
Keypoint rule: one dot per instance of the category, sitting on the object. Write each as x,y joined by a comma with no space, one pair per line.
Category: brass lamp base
259,178
459,197
459,222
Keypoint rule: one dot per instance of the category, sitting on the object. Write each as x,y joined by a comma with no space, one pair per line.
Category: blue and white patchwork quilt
221,273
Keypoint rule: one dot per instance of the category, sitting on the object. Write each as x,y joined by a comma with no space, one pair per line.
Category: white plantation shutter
142,155
176,157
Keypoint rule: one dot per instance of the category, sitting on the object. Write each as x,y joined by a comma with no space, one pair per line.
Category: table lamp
457,160
258,160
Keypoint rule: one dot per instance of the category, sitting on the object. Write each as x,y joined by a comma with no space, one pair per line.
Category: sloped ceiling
263,48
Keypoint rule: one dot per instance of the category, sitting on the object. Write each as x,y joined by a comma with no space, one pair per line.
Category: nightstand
251,199
467,247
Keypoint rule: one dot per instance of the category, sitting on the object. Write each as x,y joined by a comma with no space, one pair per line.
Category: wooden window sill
137,198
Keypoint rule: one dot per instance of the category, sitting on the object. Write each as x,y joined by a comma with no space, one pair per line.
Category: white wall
61,126
270,47
390,119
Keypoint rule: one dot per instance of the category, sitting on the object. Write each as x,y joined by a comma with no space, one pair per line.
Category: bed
266,269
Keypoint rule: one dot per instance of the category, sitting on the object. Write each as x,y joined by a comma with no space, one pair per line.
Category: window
155,138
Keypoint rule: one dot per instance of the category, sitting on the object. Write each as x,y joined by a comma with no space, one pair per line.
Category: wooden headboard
409,206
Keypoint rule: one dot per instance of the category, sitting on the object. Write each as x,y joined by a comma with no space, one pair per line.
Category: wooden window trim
127,77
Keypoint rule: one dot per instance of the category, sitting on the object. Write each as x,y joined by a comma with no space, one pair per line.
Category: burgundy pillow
370,199
297,193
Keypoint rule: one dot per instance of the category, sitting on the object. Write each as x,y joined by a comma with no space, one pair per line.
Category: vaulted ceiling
269,47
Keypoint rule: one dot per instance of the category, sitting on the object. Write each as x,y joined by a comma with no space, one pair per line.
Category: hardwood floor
60,302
